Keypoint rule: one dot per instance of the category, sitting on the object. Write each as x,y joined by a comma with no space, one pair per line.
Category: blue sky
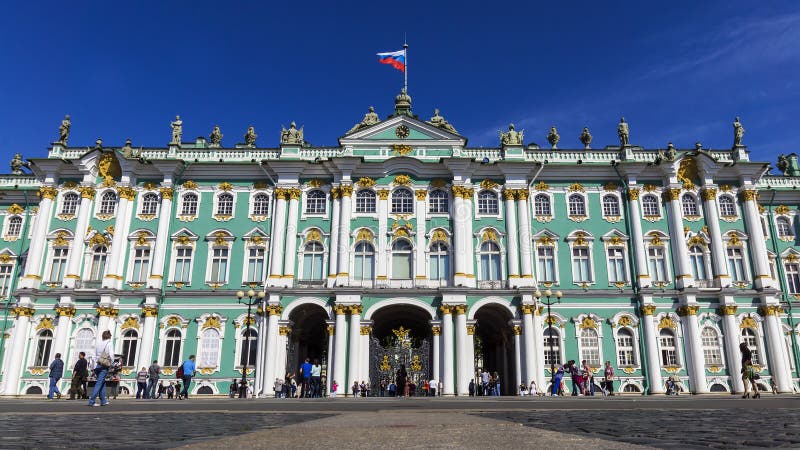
679,71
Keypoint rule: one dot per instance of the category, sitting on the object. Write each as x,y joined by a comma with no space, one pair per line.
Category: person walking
496,378
188,373
354,389
484,390
56,372
141,383
305,372
153,374
334,388
608,379
555,388
104,355
432,387
232,389
80,373
161,388
316,373
471,388
747,361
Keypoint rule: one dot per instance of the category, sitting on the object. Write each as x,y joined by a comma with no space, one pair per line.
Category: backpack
179,372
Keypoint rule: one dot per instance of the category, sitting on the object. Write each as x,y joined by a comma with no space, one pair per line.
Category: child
171,390
334,388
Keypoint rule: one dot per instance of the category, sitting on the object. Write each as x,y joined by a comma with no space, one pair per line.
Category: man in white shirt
432,387
485,382
316,386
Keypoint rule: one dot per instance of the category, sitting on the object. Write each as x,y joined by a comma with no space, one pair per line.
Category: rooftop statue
177,130
512,137
553,137
671,154
783,164
586,138
215,137
738,133
440,122
370,118
63,131
128,150
17,164
250,137
292,135
624,133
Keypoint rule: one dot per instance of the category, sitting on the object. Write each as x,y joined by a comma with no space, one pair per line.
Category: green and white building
402,245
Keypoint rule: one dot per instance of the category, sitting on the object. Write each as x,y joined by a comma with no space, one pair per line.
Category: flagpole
405,72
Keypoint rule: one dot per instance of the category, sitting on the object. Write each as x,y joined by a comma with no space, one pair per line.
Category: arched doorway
307,339
401,336
494,346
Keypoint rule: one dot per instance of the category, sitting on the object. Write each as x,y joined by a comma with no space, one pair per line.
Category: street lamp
548,294
252,299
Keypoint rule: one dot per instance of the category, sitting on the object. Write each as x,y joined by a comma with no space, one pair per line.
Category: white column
276,252
651,344
463,374
330,330
74,257
421,214
718,259
343,277
162,238
260,388
638,238
757,245
65,311
460,252
353,366
119,247
363,363
333,258
732,353
469,353
511,234
19,338
447,354
150,311
283,343
38,244
525,244
340,355
517,359
776,346
680,253
273,309
538,350
468,241
437,353
382,277
531,369
290,254
697,368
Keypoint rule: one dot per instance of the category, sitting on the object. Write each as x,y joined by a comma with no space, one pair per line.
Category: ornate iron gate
399,348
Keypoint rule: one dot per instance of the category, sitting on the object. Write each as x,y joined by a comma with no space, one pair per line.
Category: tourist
249,391
141,383
432,387
496,384
334,388
161,389
80,373
402,376
382,387
440,388
232,389
278,387
171,390
316,386
188,373
243,389
363,388
608,379
56,372
154,373
749,378
392,389
292,386
425,387
369,389
533,389
177,390
522,389
774,386
103,354
471,388
484,389
588,378
556,387
355,388
305,372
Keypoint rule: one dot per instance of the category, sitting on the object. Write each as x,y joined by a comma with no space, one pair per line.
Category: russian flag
395,59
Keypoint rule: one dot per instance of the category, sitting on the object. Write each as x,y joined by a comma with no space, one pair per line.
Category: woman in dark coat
402,377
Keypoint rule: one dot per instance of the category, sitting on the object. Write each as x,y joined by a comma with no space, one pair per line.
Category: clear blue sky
678,71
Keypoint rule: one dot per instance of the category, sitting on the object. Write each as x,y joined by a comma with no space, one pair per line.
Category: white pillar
461,251
638,238
517,359
363,363
38,244
150,311
283,343
19,339
382,275
680,253
353,366
525,244
447,354
421,214
718,259
463,374
343,277
290,253
697,368
277,240
469,353
529,331
162,238
468,241
340,355
273,309
776,347
260,388
511,234
333,258
65,311
757,244
330,330
74,257
732,353
436,330
116,259
651,344
538,350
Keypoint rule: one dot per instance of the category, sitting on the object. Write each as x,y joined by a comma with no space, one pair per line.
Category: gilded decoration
385,366
648,310
5,258
770,310
340,310
314,235
402,149
207,370
166,193
517,330
366,330
527,309
633,194
672,194
580,239
708,194
748,322
780,209
509,194
403,180
714,369
625,321
189,184
48,192
173,321
749,195
576,187
545,240
460,309
666,322
294,193
273,310
421,194
672,369
733,240
130,322
45,324
87,192
23,311
330,330
650,188
438,183
108,167
366,182
791,257
65,311
436,330
220,238
655,239
439,236
212,322
107,311
489,235
141,239
70,185
183,240
15,209
551,320
522,194
615,240
61,239
611,186
629,370
489,184
726,188
225,186
383,194
99,239
696,240
446,309
335,193
587,322
356,309
126,192
150,310
688,310
727,310
416,364
541,186
364,234
37,371
687,171
470,330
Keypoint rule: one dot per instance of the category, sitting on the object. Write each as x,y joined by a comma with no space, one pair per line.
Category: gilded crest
403,180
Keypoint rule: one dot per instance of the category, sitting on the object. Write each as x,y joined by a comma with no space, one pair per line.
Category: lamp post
252,299
548,294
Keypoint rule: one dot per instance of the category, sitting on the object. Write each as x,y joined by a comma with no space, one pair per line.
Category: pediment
387,132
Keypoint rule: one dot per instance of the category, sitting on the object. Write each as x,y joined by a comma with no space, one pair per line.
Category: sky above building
679,71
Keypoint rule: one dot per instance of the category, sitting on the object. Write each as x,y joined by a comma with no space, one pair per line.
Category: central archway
494,347
308,338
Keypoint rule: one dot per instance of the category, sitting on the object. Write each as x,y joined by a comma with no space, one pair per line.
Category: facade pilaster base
464,280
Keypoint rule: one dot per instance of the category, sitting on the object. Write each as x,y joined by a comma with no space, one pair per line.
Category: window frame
693,204
184,211
715,349
401,201
650,204
255,213
438,197
538,212
730,201
487,203
494,260
146,210
227,209
75,205
312,198
364,198
395,257
105,207
579,209
606,208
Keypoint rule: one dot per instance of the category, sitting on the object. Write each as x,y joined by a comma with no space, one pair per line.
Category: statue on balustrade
370,118
17,164
586,138
250,137
177,130
783,164
63,131
553,137
738,133
439,122
512,137
624,133
292,135
215,136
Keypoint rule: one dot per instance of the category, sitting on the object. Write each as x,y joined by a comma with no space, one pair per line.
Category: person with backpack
104,351
56,372
186,372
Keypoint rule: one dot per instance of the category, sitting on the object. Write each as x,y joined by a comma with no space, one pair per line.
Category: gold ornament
587,322
366,182
727,310
688,310
212,322
45,324
648,310
314,235
48,192
633,194
666,322
130,322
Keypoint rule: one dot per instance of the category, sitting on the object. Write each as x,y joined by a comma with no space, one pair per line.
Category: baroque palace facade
403,246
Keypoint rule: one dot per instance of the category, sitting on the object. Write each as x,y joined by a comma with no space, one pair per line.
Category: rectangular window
59,265
793,278
657,263
616,265
581,267
736,264
141,265
219,265
255,265
5,279
545,264
183,265
625,350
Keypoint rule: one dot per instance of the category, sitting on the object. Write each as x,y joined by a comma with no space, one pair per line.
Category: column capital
284,330
150,310
436,330
167,193
107,311
708,194
366,330
749,195
522,194
356,310
24,311
446,309
648,310
48,192
331,330
383,194
346,190
633,193
671,194
528,309
770,310
727,310
688,310
293,193
273,310
517,330
65,311
340,310
421,194
87,192
127,193
509,194
470,330
460,309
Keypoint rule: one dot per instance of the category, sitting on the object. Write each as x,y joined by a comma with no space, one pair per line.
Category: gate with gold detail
400,348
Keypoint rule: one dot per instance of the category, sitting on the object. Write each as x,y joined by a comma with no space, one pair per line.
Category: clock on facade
402,131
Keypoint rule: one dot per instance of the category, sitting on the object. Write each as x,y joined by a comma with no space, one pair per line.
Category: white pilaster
19,340
75,254
651,343
277,241
340,350
718,259
273,309
538,350
757,244
638,238
330,330
65,310
529,332
33,267
363,363
436,330
150,312
732,354
694,345
525,244
162,238
447,354
680,253
467,239
290,254
333,258
776,345
517,359
461,252
419,255
260,388
284,329
116,258
343,277
463,373
382,278
354,355
511,236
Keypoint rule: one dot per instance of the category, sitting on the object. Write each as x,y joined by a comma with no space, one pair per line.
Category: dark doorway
308,338
494,346
401,336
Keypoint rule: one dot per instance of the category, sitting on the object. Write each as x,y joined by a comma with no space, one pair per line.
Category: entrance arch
308,338
494,346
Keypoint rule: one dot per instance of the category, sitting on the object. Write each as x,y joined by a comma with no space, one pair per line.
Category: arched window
402,201
315,202
697,261
490,262
552,347
440,262
149,204
727,206
225,205
625,353
312,261
141,264
590,347
205,390
610,206
261,204
631,388
365,201
657,263
711,350
130,341
784,227
736,264
14,226
44,344
401,260
438,202
58,265
749,338
792,270
488,203
189,205
108,202
650,206
172,348
689,205
249,348
364,261
541,205
209,348
98,266
669,354
69,203
84,342
577,205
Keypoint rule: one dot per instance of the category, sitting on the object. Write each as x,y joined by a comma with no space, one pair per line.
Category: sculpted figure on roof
440,122
624,133
17,164
512,137
63,130
586,138
553,137
370,118
738,133
250,137
215,136
177,130
292,135
783,164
